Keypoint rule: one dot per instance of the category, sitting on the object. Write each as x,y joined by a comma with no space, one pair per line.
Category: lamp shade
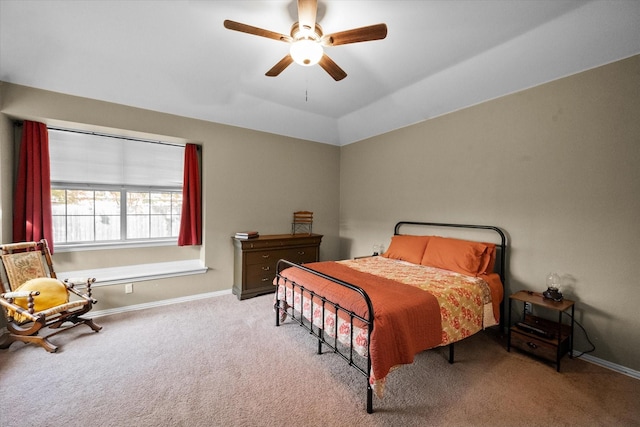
306,52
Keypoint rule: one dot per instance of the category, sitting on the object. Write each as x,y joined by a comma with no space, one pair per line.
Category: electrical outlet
128,288
527,307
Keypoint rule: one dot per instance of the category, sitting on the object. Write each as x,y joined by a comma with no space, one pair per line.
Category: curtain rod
128,138
151,141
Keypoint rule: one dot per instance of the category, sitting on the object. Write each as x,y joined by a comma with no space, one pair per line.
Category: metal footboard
346,351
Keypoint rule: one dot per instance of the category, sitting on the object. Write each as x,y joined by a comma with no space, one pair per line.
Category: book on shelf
247,235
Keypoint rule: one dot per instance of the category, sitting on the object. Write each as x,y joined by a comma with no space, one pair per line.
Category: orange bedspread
407,319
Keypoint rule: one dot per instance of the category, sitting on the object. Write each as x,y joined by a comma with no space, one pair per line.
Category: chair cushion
52,293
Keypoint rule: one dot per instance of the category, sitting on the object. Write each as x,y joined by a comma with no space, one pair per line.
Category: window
108,189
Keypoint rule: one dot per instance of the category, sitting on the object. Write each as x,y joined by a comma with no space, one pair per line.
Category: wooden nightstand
541,337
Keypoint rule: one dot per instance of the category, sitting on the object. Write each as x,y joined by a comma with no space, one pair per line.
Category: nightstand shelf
538,336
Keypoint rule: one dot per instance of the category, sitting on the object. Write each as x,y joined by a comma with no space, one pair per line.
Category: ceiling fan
307,40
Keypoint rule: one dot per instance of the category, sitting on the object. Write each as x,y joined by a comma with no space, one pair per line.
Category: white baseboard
610,365
136,307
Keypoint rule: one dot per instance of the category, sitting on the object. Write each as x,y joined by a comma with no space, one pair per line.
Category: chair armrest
16,308
19,294
72,282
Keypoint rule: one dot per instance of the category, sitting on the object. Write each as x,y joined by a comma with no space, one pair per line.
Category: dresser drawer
269,257
535,346
302,255
297,255
266,242
259,275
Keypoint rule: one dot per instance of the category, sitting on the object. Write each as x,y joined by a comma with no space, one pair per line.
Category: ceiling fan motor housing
306,48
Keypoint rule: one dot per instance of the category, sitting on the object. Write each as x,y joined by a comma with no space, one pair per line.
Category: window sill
114,245
137,273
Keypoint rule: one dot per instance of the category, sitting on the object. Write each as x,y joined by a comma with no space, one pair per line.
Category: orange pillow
406,247
462,256
491,258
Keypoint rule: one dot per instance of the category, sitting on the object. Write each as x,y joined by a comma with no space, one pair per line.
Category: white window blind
108,190
87,158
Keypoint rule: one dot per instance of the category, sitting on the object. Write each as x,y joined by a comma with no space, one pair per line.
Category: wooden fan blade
356,35
307,10
332,68
244,28
280,66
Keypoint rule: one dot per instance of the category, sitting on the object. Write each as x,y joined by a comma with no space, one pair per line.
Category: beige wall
251,180
556,166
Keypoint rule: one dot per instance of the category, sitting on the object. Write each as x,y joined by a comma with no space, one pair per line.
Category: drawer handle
267,268
532,345
265,279
301,252
266,256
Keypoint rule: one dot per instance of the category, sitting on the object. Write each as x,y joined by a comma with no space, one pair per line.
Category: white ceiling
439,56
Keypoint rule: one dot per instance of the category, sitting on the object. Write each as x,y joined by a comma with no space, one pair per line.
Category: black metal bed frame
346,351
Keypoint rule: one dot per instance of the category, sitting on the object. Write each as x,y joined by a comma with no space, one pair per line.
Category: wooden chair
32,297
302,220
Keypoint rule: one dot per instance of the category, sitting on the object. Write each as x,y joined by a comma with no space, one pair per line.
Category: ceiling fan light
306,52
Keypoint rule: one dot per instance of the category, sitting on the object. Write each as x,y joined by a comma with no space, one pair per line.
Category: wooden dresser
255,260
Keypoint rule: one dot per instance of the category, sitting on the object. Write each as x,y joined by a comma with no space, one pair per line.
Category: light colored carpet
222,362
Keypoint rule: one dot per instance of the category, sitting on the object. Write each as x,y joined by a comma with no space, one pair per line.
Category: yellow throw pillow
52,293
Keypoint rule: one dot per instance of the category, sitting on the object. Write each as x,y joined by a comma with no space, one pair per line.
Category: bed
377,312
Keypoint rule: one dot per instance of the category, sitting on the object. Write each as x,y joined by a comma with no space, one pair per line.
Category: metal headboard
502,269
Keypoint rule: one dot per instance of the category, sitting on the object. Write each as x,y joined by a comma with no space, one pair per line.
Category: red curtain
191,219
32,219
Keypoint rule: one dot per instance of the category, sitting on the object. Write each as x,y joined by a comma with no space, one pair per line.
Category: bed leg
276,306
369,398
451,353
